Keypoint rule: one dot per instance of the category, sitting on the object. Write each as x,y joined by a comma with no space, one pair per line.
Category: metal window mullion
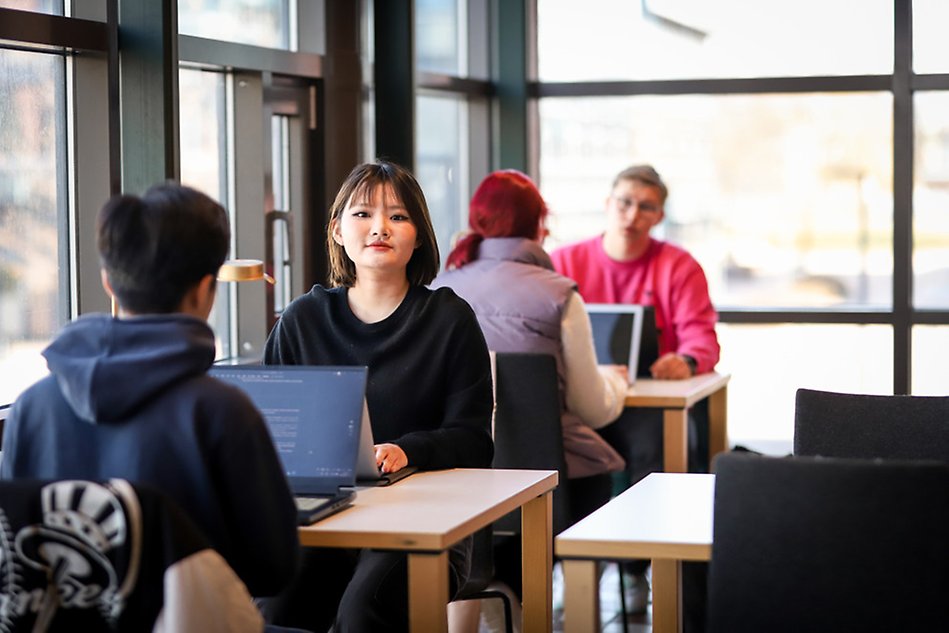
761,85
510,72
246,57
149,87
251,160
76,34
231,203
394,80
903,143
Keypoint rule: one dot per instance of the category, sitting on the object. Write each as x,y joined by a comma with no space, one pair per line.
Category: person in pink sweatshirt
625,264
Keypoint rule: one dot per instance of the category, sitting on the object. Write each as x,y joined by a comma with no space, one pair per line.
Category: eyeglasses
625,203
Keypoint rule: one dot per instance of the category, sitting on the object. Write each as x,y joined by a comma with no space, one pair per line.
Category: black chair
87,556
481,576
858,425
527,426
528,435
827,544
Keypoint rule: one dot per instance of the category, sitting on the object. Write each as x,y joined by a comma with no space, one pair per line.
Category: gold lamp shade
243,270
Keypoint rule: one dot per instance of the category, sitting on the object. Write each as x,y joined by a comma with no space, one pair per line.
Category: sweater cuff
415,449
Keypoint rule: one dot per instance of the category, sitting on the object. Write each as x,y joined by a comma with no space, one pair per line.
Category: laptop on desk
367,471
625,334
314,415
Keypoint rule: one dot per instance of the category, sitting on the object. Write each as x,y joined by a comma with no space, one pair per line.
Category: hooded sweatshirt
130,398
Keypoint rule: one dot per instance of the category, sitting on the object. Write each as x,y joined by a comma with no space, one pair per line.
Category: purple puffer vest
519,301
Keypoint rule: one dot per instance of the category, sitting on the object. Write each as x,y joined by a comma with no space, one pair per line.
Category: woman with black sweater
429,390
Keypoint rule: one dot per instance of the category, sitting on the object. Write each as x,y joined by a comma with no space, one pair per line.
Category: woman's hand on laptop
390,458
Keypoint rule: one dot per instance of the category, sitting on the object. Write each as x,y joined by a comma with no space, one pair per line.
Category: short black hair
154,248
361,182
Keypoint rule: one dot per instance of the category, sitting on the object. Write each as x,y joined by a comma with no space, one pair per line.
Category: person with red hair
522,305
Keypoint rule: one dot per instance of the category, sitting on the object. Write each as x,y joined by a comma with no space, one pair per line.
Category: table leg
717,423
581,597
537,547
666,596
675,440
428,592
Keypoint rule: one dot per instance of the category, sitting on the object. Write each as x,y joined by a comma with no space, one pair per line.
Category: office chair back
821,544
860,425
527,426
527,434
87,556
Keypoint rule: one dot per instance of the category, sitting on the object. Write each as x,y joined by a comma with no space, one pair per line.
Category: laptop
367,471
625,334
314,416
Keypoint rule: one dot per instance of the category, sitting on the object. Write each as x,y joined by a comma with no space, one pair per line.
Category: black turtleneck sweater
429,388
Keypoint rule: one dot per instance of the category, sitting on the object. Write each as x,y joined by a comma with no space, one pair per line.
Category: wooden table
674,397
427,513
666,517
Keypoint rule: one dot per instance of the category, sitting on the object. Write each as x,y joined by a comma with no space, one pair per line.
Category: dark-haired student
129,397
429,389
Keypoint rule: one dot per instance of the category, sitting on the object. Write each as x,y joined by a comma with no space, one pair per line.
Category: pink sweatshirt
666,277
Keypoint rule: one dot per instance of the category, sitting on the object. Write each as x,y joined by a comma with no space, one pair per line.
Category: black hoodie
130,398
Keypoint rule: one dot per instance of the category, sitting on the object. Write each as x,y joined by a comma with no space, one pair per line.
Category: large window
62,153
442,170
452,126
930,343
770,362
34,274
52,7
675,39
785,131
203,113
785,200
929,36
931,202
440,40
268,23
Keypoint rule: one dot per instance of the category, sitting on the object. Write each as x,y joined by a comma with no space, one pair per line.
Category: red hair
506,204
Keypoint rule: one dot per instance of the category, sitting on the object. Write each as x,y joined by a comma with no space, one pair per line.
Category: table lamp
243,270
231,270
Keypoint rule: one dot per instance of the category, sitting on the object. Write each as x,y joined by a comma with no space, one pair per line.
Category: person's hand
670,366
390,458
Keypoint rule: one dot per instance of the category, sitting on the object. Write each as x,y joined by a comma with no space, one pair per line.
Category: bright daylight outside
785,199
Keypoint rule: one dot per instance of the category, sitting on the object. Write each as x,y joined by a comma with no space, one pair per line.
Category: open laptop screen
314,415
625,334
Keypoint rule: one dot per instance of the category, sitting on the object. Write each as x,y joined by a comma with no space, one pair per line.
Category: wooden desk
427,513
674,397
666,517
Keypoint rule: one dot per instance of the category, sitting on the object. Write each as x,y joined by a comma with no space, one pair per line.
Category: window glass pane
694,39
203,130
785,200
931,202
279,249
930,343
440,36
257,22
52,7
441,165
929,36
33,280
849,358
